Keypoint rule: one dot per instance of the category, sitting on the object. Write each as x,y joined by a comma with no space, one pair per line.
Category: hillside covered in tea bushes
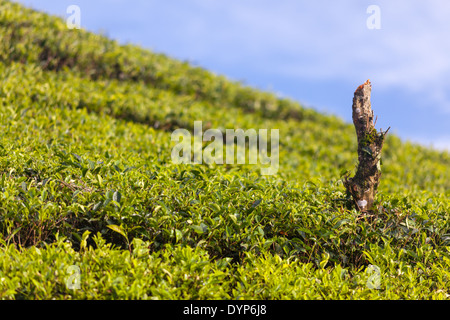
93,207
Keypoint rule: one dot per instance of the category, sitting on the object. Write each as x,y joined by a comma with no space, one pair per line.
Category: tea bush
93,207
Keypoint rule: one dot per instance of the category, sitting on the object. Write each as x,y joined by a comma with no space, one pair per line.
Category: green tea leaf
118,229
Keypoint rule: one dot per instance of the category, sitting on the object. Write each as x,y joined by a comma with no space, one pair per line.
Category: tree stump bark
363,186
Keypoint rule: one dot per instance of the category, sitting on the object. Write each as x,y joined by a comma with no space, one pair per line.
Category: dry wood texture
363,186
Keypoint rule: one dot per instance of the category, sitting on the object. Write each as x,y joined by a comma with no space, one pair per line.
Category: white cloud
441,143
329,40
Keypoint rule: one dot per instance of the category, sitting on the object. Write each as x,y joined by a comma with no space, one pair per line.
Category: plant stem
363,186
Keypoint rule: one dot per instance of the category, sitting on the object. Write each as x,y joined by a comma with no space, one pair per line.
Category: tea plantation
93,207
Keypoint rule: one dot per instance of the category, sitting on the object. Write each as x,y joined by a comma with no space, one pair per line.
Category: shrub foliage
87,184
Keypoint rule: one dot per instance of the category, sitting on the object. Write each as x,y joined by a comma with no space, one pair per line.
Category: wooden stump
363,186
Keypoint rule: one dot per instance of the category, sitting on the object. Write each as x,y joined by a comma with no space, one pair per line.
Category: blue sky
315,52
